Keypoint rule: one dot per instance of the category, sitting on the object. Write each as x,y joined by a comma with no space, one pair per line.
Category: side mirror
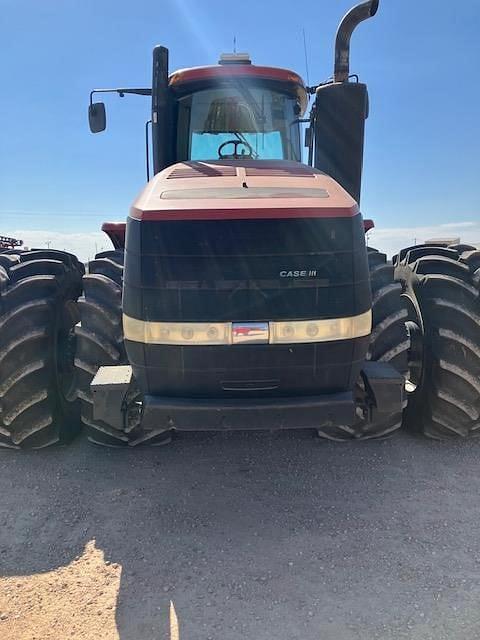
97,118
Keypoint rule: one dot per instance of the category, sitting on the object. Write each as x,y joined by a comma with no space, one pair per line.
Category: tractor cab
236,110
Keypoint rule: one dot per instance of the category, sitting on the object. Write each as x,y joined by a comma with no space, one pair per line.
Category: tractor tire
442,289
389,342
38,313
100,343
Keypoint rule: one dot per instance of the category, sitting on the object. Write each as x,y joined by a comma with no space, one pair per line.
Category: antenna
306,56
234,44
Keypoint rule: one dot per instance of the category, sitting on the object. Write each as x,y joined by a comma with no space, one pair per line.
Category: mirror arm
121,92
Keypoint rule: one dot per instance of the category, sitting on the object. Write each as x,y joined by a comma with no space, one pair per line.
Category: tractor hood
242,189
243,241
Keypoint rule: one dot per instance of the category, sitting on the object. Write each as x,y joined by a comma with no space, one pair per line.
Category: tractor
240,292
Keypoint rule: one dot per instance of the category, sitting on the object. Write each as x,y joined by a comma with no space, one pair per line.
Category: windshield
238,121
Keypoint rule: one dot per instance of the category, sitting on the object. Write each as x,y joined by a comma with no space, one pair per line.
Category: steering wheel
235,154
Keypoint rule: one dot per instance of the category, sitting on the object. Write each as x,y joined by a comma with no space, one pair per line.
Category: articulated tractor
240,292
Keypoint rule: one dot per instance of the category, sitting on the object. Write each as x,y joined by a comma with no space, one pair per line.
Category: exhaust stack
341,108
350,21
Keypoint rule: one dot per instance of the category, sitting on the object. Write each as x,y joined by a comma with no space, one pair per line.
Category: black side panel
340,113
161,111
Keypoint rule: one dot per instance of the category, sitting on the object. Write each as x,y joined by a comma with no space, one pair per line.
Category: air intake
202,170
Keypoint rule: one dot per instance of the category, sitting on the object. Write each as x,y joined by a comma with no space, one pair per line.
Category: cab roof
292,81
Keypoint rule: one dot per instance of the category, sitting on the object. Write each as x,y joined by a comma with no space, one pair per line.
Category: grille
201,170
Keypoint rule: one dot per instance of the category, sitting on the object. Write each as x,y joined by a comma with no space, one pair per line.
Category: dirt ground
253,536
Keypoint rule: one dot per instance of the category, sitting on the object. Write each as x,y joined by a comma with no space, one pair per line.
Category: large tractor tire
442,289
38,312
389,342
100,343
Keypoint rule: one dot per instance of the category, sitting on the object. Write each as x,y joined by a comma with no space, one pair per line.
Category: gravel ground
250,536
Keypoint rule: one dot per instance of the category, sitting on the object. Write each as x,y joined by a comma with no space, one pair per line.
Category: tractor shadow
257,535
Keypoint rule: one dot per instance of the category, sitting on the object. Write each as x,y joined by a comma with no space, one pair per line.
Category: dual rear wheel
38,313
426,322
441,288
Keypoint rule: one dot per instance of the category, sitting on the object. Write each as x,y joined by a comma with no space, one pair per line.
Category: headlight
321,330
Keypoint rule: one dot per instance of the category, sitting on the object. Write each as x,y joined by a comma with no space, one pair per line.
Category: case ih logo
311,273
250,332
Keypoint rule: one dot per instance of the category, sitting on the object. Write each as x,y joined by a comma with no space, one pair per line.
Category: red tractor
240,293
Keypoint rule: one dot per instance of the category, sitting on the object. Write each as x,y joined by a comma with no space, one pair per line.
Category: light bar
179,333
224,333
321,330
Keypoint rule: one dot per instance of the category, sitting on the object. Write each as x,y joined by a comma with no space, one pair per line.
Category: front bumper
112,386
186,414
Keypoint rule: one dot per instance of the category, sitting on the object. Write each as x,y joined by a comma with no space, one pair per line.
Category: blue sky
419,58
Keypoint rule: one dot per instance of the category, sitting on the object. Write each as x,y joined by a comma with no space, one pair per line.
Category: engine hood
242,189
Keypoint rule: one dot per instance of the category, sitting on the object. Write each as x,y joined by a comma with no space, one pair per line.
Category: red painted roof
198,74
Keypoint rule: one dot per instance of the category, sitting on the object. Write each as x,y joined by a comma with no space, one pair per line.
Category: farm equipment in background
240,293
9,243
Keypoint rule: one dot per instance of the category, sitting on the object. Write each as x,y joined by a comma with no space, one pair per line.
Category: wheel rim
414,325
